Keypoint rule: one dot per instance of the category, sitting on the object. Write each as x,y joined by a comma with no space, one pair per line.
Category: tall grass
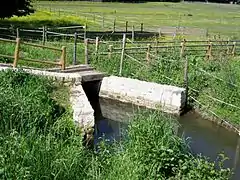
218,77
152,150
38,141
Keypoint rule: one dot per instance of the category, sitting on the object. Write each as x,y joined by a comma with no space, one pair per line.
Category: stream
205,137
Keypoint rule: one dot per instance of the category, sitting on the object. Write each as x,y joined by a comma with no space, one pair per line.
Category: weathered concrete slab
167,98
87,72
83,113
65,77
76,73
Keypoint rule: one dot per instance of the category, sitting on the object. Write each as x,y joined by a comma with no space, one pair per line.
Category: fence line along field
21,49
217,18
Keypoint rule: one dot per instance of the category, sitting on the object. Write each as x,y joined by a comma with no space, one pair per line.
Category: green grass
168,68
39,141
44,54
218,18
43,18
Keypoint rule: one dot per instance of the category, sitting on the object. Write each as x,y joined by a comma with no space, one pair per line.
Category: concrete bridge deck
76,73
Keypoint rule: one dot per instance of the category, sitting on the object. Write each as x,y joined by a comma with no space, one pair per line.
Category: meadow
220,19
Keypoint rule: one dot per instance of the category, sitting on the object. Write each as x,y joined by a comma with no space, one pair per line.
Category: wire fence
112,22
207,77
199,66
20,51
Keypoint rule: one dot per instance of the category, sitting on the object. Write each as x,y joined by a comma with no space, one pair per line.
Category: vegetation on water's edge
217,78
214,83
39,140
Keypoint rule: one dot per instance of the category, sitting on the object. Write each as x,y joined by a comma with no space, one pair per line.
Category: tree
9,8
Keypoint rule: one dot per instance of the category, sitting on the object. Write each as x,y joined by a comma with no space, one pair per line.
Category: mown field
223,19
40,141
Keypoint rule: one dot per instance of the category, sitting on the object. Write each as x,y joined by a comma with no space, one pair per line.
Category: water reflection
206,138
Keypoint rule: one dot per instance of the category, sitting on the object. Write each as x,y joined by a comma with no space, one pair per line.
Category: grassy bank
213,84
218,18
39,141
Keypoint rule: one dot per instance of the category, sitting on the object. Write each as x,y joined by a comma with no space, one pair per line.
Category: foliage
29,97
15,8
54,150
43,18
153,151
209,80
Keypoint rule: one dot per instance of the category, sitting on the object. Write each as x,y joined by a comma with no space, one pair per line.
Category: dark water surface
205,137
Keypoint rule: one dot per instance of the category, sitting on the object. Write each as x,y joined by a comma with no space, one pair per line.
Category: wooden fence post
148,53
43,35
86,51
209,50
17,33
16,53
97,45
122,54
186,79
228,49
237,152
85,31
182,48
110,49
133,34
156,44
63,58
126,26
75,49
46,32
233,49
114,24
141,27
159,33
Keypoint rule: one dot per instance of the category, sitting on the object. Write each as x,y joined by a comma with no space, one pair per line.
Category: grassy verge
39,141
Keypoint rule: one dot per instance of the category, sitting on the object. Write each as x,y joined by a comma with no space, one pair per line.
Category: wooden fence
43,33
153,48
114,24
16,56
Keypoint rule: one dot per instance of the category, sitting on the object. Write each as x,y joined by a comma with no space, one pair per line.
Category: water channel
206,137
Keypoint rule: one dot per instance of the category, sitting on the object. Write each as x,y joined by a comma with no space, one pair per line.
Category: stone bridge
166,98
